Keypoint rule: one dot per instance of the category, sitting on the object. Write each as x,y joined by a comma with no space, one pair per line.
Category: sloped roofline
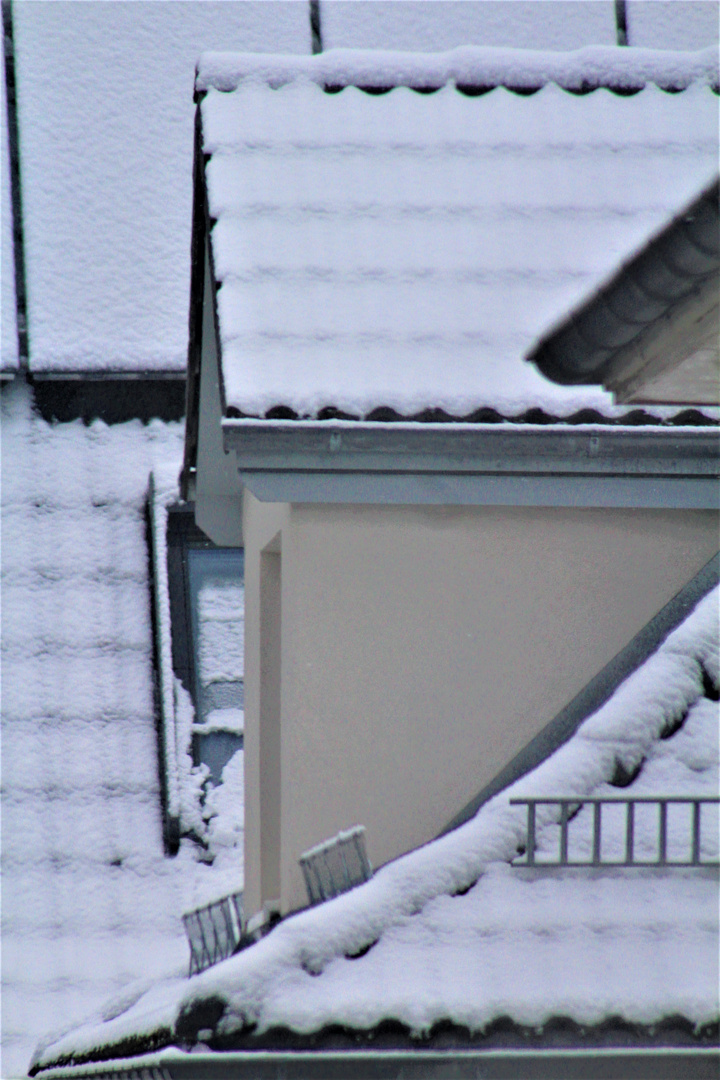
679,260
471,68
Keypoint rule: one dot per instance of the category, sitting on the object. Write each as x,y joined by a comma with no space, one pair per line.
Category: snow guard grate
214,931
336,865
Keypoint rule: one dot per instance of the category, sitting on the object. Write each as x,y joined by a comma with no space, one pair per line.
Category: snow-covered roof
106,133
414,24
405,250
453,933
90,902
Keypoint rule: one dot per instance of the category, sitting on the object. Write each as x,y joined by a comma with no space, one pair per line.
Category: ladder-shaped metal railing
214,931
569,807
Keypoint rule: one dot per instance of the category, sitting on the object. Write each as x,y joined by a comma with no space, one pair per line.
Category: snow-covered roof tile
414,24
453,933
405,250
90,902
106,129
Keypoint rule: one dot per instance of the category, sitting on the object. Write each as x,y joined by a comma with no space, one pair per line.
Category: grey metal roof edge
333,447
98,374
646,288
586,1063
594,695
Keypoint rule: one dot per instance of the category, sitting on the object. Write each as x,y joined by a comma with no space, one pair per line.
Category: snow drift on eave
469,66
264,986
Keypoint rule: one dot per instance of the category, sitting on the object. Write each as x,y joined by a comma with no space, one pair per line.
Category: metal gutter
475,464
591,1063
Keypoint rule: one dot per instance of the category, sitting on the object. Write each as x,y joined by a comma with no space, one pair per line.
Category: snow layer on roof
406,250
667,24
8,325
467,65
89,901
106,125
453,932
428,26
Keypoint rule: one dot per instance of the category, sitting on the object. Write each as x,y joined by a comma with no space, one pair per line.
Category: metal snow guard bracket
568,808
214,931
336,865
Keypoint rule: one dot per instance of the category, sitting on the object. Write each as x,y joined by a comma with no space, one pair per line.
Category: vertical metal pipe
662,837
563,833
597,831
696,833
621,27
629,833
531,833
315,27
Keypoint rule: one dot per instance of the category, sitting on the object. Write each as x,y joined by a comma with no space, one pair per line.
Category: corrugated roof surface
89,901
452,934
419,24
106,129
406,250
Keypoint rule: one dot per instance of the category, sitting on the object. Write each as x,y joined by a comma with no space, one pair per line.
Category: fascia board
336,461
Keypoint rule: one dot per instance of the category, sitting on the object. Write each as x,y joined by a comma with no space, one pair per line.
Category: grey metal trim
598,690
105,374
365,446
475,464
16,199
645,290
469,490
592,1063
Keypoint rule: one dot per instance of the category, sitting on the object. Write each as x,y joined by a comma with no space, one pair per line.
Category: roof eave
474,464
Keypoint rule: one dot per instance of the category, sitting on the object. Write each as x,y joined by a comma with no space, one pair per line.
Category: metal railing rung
214,931
662,833
629,832
630,855
563,832
597,833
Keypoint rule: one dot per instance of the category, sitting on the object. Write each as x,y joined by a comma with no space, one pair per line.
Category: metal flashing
586,1063
466,464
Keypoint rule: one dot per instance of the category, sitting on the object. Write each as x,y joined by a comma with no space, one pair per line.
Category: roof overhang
651,333
474,464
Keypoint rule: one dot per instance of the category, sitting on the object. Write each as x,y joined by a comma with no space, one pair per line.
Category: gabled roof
453,935
395,254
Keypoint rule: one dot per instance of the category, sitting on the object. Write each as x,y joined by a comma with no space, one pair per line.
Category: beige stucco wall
422,648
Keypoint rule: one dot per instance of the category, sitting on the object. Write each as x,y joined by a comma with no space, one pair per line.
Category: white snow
528,944
90,903
232,720
667,24
222,638
407,250
429,26
106,118
466,65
